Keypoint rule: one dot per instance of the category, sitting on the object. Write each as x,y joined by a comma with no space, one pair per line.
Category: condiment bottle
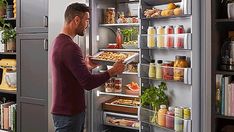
178,119
162,115
152,70
119,38
170,118
181,63
151,37
159,69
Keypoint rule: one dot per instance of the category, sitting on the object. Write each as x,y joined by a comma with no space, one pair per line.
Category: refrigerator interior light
98,38
98,93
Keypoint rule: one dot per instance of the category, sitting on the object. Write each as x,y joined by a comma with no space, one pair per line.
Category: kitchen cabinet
32,16
32,82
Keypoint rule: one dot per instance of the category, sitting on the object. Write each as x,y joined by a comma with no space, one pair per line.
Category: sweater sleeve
74,61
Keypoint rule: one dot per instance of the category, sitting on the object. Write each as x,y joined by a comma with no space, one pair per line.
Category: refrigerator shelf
177,41
124,73
186,79
121,50
120,25
117,94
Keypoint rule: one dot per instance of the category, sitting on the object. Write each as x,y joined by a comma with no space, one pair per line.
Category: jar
162,115
169,41
178,120
167,68
179,39
170,118
181,63
117,85
160,36
109,86
159,70
109,16
152,70
151,37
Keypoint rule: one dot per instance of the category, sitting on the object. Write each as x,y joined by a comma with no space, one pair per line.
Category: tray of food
122,104
109,58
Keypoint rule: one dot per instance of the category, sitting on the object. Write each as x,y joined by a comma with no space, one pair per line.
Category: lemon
171,6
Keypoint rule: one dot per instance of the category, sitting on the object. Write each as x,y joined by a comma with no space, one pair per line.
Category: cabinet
32,93
32,16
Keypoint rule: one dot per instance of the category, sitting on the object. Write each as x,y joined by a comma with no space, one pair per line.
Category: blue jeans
69,123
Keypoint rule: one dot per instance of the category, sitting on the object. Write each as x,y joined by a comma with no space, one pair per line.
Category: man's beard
80,30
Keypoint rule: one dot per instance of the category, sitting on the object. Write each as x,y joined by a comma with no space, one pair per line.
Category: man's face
83,25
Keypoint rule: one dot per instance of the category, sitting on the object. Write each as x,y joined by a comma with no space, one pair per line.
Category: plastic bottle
119,38
151,37
152,70
162,115
159,69
170,118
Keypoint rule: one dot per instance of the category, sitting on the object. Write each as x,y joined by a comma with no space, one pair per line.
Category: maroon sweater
70,77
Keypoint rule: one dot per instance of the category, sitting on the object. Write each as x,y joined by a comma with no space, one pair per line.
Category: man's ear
77,19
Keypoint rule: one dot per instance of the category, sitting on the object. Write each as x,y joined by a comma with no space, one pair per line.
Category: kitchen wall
56,19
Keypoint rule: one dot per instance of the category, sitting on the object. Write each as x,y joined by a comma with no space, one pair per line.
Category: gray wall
56,19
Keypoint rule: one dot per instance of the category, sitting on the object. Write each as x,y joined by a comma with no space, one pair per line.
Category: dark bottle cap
152,61
180,57
160,61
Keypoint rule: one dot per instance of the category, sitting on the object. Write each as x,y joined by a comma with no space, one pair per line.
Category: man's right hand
117,68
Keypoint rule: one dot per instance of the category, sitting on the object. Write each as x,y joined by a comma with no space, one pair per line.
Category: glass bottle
119,38
159,69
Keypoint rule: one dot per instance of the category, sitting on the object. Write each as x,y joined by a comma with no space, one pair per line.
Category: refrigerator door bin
124,105
180,41
168,74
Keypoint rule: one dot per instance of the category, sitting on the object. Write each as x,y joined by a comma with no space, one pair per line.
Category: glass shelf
150,117
117,94
121,50
120,25
167,74
168,41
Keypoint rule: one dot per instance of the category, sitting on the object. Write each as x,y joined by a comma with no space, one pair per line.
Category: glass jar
179,65
109,16
167,68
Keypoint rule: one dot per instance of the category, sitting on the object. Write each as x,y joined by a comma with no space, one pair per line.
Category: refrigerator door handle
45,21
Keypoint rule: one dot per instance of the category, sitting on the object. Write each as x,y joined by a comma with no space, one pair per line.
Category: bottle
181,63
169,41
152,69
160,36
162,115
159,70
179,39
178,119
119,38
151,37
170,118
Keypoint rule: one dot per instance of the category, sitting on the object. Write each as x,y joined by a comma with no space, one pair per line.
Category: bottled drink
119,38
152,70
162,115
151,37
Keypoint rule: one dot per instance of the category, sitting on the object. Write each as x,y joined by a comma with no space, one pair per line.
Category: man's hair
75,9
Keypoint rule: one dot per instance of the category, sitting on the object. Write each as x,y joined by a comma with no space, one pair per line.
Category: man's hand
90,65
117,68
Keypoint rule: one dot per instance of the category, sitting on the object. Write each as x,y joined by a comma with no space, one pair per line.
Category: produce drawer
121,120
124,107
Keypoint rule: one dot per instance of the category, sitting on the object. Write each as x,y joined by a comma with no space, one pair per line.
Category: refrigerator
182,93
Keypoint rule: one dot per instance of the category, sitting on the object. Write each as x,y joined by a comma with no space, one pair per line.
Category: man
70,72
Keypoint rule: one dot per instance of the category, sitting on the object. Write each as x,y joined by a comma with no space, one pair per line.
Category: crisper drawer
121,120
122,105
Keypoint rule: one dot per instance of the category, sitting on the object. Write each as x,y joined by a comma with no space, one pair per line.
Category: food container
117,85
109,58
179,65
111,105
167,68
109,16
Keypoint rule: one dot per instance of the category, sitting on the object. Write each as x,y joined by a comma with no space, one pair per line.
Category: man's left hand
90,65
